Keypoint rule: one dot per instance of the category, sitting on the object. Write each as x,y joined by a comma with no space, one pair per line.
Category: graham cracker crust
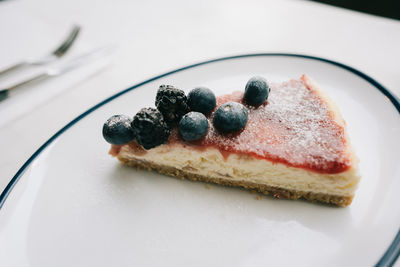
276,192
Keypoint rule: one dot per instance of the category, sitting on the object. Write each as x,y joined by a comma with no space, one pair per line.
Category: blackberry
201,99
150,128
257,91
230,117
172,103
117,130
193,126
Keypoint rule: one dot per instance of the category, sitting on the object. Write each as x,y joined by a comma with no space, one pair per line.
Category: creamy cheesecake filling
298,126
211,163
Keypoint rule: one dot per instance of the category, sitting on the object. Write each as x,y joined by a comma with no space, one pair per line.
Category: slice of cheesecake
293,146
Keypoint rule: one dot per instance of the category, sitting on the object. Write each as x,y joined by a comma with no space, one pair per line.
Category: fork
57,53
62,68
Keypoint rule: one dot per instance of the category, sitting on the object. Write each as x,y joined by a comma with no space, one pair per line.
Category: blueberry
202,99
257,90
117,130
193,126
230,117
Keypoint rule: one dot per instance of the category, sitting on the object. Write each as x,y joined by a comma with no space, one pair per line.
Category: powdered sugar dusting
294,127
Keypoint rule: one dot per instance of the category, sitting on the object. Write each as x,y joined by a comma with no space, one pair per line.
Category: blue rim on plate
391,254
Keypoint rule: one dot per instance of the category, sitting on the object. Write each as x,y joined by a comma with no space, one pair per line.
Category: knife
60,69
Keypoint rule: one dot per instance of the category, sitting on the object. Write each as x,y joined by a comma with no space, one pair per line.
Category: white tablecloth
153,37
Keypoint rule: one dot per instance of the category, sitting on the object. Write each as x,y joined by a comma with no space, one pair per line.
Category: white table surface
153,37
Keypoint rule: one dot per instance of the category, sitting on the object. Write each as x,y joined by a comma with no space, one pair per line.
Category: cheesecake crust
341,201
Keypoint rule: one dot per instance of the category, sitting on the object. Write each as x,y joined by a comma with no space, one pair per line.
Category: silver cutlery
60,69
56,54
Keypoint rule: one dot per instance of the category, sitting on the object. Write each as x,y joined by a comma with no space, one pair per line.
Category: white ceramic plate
72,204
